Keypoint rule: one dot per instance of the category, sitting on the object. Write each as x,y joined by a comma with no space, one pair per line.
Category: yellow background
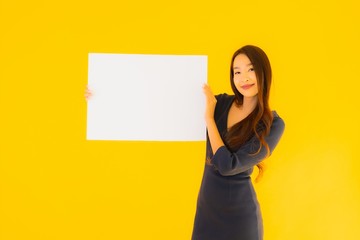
57,185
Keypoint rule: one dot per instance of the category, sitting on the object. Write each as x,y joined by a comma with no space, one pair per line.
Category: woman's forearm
213,132
214,136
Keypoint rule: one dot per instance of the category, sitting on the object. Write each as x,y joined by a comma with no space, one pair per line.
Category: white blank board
138,97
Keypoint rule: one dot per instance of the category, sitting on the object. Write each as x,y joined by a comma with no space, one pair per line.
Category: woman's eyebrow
249,64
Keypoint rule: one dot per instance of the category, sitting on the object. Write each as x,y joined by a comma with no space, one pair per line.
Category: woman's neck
249,104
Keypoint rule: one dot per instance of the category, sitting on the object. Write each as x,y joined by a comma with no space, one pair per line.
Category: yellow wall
57,185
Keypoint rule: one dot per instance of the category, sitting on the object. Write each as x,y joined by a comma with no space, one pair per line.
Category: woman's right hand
210,103
88,93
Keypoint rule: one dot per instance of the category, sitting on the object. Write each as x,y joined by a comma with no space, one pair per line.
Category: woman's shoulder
276,116
224,97
278,122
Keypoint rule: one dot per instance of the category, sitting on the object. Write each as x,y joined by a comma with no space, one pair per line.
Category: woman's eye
237,72
251,69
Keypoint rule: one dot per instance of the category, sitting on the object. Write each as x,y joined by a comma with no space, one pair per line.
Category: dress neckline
227,114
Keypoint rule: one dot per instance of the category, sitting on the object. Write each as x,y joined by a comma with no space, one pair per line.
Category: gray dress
227,206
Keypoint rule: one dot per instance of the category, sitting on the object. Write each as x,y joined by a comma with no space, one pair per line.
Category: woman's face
244,76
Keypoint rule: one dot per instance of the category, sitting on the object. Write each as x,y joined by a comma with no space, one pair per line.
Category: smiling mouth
247,86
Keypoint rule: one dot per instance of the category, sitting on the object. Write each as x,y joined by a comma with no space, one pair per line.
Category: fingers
208,92
210,102
87,97
206,87
88,93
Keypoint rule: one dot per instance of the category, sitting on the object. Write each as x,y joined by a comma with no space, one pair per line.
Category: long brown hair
259,121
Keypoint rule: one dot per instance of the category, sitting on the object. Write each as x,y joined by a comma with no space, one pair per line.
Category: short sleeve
230,163
219,95
221,101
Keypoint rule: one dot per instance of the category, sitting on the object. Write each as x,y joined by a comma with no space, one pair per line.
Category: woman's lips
247,86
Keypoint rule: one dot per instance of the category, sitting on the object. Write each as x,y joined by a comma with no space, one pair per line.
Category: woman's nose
245,78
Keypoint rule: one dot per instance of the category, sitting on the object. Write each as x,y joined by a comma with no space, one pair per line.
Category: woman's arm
230,163
214,136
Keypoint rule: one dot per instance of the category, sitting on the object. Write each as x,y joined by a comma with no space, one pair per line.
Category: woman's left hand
88,93
210,103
